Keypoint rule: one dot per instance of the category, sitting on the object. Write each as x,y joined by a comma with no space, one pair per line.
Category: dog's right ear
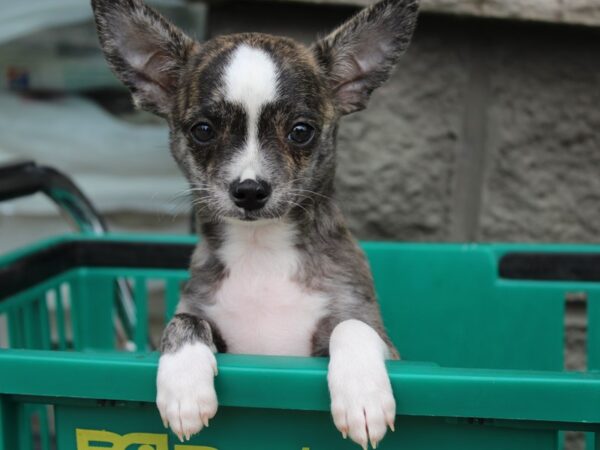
144,50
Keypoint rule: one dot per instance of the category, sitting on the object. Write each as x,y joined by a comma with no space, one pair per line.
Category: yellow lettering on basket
96,439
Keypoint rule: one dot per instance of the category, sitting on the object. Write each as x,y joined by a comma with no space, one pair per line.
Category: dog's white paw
186,396
362,401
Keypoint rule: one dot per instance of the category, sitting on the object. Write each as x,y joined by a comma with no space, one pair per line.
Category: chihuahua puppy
253,121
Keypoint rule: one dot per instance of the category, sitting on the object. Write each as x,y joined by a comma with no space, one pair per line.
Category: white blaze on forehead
251,81
251,78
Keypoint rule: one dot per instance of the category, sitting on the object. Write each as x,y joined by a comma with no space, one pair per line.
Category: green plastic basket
481,329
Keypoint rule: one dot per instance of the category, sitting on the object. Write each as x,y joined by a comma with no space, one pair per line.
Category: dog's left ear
359,56
144,50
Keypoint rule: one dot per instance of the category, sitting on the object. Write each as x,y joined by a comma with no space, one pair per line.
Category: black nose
250,194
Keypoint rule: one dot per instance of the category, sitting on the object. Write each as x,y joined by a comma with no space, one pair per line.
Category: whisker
298,205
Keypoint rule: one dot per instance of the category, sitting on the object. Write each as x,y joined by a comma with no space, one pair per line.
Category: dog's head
253,117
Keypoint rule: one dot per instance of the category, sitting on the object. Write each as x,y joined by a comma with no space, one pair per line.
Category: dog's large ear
144,50
359,56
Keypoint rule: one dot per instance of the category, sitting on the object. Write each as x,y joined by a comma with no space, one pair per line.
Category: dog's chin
250,221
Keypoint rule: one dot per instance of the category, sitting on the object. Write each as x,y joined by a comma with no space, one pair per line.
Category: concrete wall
583,12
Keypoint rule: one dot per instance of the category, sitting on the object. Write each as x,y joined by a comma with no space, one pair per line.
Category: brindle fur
179,79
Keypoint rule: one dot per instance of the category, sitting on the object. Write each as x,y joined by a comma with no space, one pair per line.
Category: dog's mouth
251,217
273,211
217,208
259,214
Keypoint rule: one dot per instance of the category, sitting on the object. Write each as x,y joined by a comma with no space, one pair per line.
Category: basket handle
24,178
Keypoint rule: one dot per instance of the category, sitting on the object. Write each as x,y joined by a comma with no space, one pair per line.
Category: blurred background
489,130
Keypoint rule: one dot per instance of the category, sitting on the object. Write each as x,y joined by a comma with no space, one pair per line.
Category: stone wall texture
584,12
543,171
579,12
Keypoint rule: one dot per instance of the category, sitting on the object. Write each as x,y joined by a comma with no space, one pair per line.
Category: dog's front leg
362,402
186,396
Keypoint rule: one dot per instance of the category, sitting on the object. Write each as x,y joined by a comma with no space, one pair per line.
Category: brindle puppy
253,122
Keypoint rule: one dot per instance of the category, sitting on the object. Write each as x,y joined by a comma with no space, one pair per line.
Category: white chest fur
259,308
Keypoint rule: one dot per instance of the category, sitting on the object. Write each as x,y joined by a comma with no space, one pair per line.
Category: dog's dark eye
301,134
202,132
